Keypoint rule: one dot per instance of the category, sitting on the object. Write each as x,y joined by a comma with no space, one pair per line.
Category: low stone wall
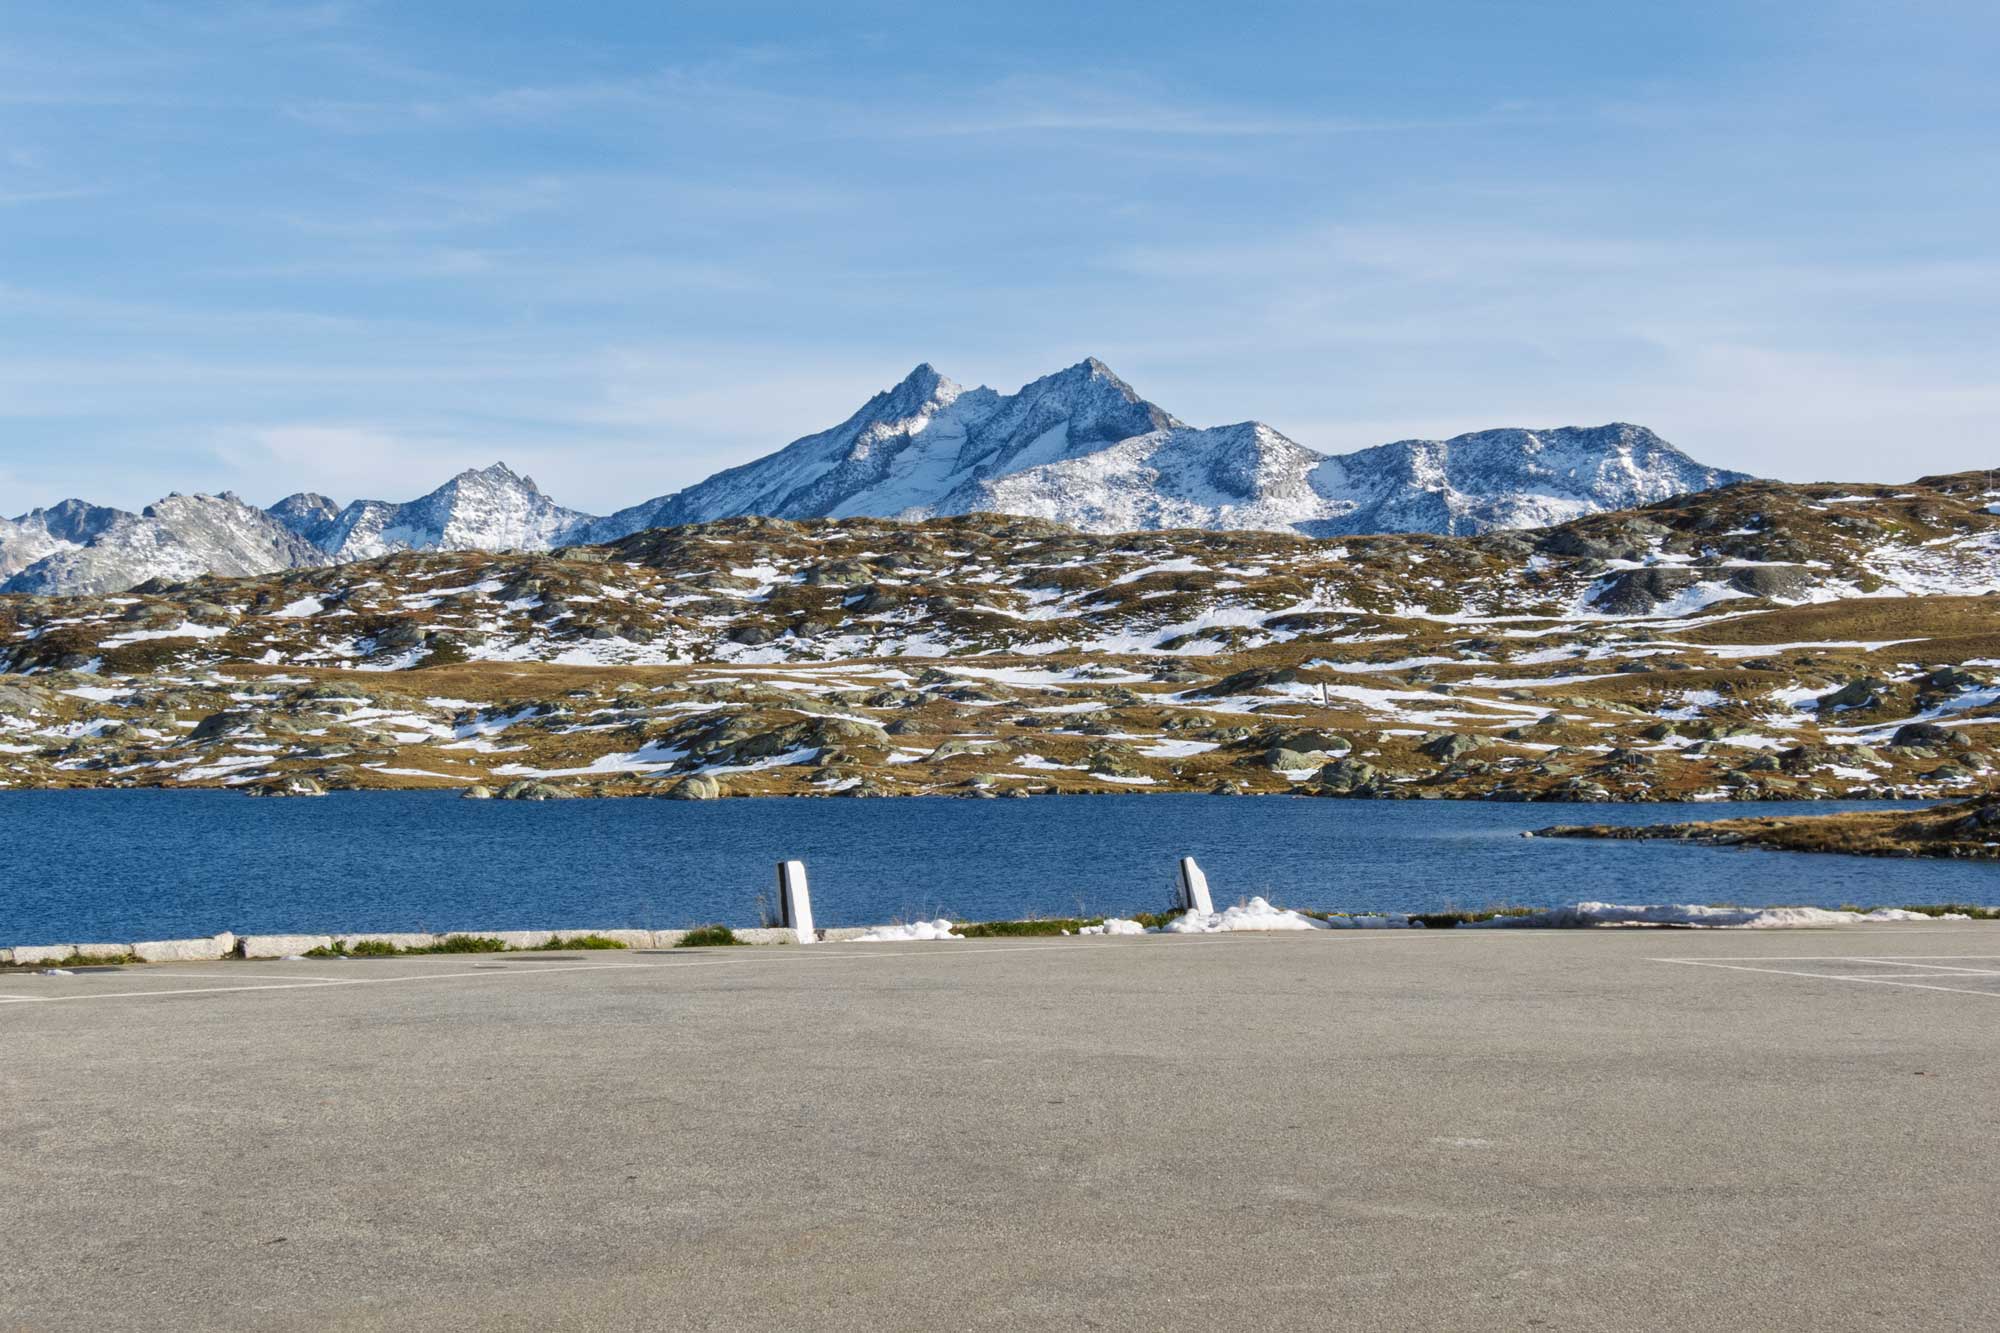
185,951
229,945
55,953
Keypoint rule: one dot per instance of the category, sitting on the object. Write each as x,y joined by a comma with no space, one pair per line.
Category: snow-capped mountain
178,538
910,448
1081,447
489,509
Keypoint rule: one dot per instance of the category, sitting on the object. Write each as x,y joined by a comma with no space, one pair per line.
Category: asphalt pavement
1361,1130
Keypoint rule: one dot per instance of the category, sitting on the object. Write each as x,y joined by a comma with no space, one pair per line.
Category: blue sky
354,247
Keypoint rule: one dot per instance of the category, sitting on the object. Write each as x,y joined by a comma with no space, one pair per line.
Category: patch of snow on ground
1167,749
186,630
1366,668
1694,914
1257,914
1116,925
939,929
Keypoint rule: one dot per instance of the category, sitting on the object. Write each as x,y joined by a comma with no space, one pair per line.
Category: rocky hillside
1079,447
1763,641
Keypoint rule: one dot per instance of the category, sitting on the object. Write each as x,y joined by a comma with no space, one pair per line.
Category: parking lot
1361,1129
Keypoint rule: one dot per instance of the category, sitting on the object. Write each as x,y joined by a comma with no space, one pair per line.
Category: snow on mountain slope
1081,447
307,513
1246,476
40,533
22,546
489,509
910,446
178,538
1503,479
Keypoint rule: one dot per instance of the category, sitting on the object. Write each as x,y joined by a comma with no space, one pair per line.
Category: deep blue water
122,865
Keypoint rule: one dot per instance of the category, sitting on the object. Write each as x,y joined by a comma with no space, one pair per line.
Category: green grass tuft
1447,920
464,944
707,937
583,942
994,930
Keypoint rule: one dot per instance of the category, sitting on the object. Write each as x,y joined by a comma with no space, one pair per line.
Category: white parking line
1936,967
315,985
142,973
1742,965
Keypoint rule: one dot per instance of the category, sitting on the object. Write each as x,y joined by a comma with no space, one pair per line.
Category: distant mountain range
1079,447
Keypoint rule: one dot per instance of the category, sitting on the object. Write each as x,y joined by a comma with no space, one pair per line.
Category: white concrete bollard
795,908
1194,888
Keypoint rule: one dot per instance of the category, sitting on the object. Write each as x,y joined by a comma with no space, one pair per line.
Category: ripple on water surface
123,865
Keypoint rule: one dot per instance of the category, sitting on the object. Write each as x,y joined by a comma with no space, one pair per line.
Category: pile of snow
1694,914
939,929
1256,914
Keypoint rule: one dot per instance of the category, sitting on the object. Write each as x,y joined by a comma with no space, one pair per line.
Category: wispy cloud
1112,102
625,246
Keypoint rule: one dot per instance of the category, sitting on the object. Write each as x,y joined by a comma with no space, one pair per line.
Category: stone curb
213,948
185,951
55,953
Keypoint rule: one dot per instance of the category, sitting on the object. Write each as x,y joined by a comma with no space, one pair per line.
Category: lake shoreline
227,946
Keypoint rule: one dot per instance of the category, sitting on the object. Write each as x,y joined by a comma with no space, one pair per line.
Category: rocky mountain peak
72,520
498,476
